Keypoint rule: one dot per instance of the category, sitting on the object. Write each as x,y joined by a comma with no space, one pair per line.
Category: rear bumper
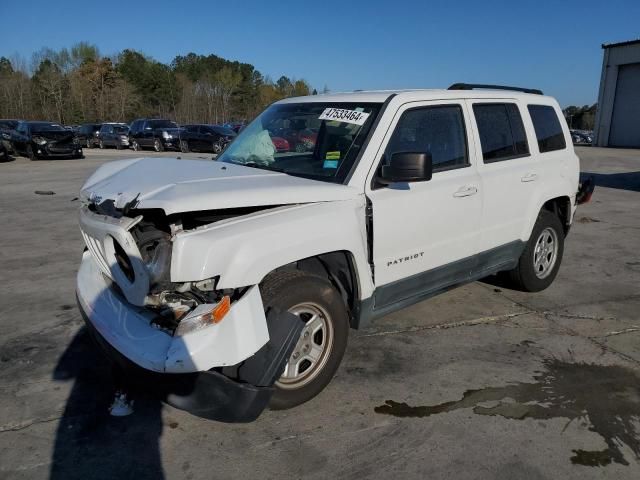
208,394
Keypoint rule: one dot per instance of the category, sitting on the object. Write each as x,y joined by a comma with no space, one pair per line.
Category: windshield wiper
262,167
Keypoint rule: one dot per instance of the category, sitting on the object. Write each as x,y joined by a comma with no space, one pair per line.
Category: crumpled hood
193,185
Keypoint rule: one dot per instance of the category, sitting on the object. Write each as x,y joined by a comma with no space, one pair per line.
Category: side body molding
245,249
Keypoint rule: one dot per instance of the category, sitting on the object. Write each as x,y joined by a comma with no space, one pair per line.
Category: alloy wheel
545,252
312,350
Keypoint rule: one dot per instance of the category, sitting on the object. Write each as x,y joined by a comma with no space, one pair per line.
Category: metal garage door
625,123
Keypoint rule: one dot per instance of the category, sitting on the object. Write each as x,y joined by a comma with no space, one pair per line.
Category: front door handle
529,177
465,192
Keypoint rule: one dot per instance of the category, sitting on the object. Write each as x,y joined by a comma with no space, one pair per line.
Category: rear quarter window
548,129
501,131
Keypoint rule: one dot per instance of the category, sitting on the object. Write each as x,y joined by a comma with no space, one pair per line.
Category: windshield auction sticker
342,115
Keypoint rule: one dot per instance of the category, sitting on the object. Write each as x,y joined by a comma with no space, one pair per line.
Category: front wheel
101,144
135,145
157,145
184,146
323,339
540,261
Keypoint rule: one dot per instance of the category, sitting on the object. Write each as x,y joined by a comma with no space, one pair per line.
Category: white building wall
614,56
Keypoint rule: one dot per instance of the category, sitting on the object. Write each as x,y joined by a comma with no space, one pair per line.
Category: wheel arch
558,204
339,268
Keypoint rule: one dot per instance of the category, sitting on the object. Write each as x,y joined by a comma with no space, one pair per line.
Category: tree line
581,118
78,85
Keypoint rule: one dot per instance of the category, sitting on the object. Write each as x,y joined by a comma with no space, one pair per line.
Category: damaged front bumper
187,369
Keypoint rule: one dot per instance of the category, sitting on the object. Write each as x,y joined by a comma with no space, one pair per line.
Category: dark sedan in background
156,133
114,135
7,127
205,138
45,140
87,134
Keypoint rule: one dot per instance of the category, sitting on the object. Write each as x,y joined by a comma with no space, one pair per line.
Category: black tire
184,146
524,277
88,143
291,288
101,144
118,146
135,145
157,145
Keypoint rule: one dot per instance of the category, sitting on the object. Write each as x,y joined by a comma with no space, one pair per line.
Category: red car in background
280,143
302,140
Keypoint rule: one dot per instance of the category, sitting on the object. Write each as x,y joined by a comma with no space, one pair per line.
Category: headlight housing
203,316
166,134
39,140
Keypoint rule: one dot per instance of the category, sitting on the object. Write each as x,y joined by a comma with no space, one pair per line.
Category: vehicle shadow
622,181
89,442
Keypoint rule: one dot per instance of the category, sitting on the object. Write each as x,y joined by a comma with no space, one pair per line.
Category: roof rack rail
473,86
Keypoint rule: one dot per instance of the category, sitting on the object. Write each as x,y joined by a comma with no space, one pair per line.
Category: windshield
45,127
314,140
161,124
120,129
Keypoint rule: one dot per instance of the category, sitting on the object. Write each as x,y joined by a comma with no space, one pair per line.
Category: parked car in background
4,155
113,135
7,127
279,143
205,138
87,134
45,140
156,133
235,126
581,137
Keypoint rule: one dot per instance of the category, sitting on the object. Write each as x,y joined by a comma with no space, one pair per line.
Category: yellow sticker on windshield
332,156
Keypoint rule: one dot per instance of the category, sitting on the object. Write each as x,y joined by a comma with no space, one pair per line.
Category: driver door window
437,130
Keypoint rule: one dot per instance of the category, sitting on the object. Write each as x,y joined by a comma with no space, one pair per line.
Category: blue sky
552,45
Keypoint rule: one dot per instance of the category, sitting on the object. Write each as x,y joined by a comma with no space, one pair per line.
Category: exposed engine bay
179,307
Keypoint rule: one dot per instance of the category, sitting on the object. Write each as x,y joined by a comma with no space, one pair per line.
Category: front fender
243,250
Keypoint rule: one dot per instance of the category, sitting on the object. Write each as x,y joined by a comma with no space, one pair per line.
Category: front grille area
97,251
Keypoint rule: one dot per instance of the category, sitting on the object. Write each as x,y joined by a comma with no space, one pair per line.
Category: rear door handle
465,192
529,177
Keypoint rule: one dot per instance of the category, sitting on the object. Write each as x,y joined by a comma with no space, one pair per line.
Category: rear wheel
184,146
323,340
101,144
88,143
540,261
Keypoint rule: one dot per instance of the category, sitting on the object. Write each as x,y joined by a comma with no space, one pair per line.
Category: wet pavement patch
607,396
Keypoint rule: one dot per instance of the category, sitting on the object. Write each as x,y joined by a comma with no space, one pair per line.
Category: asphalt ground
481,382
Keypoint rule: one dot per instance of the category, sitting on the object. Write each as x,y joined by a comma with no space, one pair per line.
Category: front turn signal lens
221,310
203,316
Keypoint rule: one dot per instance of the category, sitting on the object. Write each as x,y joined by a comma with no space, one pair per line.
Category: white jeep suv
231,285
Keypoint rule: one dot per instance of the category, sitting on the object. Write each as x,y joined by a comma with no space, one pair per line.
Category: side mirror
407,167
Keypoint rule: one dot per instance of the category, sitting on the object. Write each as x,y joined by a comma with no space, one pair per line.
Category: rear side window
501,131
548,129
438,130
